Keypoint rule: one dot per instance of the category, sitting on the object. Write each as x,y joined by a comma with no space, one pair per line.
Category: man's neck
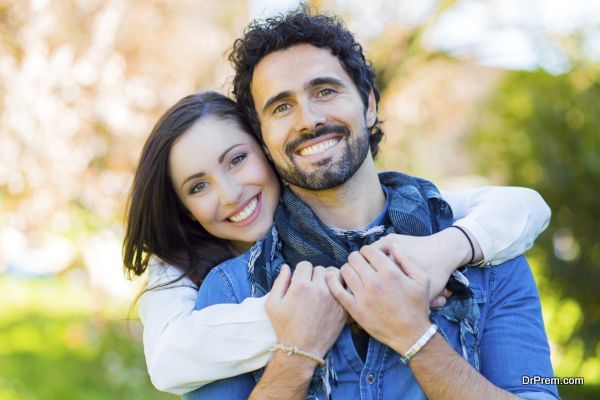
352,205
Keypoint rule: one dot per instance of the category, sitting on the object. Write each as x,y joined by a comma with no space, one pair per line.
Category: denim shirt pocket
459,322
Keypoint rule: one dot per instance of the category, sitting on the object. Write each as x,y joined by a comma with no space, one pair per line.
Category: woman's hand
303,311
438,255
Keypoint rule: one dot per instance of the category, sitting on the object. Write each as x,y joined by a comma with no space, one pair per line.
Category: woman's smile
224,180
247,213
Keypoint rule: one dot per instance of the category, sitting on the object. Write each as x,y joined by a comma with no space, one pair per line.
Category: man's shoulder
511,275
228,282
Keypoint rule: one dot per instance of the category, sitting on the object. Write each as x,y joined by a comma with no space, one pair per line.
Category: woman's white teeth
319,147
246,212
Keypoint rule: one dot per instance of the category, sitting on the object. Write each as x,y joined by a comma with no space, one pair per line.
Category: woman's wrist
458,249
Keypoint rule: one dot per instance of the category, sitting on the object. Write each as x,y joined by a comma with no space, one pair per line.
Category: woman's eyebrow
222,156
194,176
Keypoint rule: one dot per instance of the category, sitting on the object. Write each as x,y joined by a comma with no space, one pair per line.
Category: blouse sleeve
186,348
504,220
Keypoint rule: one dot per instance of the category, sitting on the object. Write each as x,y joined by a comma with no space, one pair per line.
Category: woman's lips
246,213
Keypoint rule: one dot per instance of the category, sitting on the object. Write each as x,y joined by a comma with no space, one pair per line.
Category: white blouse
186,349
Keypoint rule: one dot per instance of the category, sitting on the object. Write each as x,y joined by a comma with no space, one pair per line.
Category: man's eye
281,108
238,159
198,187
325,92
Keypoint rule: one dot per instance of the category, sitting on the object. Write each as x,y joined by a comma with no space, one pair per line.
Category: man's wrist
419,344
402,343
300,367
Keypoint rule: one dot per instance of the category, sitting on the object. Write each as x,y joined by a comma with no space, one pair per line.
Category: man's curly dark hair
301,26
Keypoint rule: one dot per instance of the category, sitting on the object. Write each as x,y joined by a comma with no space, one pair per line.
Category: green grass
58,342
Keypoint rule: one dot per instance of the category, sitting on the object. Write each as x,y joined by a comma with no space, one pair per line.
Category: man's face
313,122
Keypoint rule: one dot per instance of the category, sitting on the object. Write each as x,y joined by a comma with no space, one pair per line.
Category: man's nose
231,192
309,117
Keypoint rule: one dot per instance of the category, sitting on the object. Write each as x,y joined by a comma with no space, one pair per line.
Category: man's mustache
291,147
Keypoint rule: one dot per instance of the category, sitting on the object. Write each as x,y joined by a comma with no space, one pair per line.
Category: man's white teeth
318,148
246,212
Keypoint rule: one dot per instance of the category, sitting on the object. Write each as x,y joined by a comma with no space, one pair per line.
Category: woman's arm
505,221
186,349
179,341
502,223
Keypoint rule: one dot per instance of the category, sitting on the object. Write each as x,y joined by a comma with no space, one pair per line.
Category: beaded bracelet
419,344
291,350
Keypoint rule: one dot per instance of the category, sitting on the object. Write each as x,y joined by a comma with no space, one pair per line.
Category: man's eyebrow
276,98
327,80
221,158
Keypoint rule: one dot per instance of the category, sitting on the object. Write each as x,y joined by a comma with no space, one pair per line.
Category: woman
205,192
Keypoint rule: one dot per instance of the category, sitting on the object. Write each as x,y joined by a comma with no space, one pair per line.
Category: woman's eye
281,108
238,159
198,187
326,92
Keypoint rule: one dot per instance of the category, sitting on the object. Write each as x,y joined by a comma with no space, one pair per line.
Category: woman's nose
231,192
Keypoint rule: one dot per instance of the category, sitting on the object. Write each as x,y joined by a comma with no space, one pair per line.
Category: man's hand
390,301
303,311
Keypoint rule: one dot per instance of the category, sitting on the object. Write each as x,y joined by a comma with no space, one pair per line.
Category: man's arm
285,377
513,345
386,300
305,315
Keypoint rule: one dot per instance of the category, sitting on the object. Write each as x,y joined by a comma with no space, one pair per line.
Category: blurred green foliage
543,131
51,347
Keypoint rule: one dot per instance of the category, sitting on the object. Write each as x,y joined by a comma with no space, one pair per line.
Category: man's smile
319,145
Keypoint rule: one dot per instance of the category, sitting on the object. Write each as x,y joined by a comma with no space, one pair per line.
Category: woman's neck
240,247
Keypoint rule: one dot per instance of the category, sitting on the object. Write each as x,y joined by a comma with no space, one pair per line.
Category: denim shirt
509,334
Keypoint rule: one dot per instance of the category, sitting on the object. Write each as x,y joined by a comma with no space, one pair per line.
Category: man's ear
371,113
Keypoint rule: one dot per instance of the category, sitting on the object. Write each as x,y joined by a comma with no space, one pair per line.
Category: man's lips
318,145
322,133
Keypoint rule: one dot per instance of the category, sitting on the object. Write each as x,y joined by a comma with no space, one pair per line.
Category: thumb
282,283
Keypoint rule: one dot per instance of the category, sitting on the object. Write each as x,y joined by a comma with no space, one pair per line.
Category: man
304,83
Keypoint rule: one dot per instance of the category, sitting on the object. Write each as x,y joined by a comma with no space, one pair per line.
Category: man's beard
331,175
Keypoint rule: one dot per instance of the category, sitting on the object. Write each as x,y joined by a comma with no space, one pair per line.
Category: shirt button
370,379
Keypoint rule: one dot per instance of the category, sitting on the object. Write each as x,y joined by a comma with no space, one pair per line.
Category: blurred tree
543,131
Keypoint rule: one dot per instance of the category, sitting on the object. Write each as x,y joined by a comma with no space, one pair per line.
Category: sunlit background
473,92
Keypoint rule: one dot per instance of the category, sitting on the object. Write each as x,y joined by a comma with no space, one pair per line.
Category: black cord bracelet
470,243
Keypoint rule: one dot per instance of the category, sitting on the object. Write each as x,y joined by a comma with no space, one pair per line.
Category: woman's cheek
204,210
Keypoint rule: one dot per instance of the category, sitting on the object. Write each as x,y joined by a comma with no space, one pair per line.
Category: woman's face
222,177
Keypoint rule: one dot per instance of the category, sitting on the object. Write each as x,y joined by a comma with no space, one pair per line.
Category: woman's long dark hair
157,222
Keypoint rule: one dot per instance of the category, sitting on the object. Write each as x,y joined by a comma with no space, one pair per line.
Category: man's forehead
292,68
